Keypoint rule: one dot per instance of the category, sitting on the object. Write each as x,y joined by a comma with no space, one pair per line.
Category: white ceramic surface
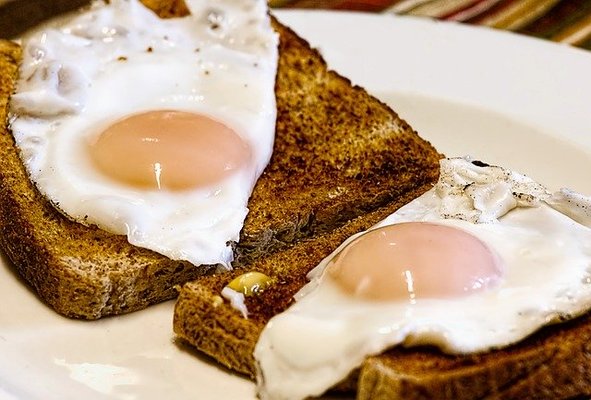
501,97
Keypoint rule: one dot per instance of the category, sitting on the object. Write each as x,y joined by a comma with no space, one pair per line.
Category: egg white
546,254
119,59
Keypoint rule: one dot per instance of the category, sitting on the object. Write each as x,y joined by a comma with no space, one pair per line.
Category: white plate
503,98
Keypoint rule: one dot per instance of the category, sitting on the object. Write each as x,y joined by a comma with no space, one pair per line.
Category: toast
338,153
553,363
205,320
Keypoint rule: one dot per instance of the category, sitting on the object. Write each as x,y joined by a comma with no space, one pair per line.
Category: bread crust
335,151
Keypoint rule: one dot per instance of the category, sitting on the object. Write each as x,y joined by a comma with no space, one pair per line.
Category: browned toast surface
338,152
203,319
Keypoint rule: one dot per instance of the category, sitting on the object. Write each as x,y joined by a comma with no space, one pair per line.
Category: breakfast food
458,329
338,153
152,128
220,329
479,262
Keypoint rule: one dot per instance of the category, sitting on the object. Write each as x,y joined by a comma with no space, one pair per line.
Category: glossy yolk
169,150
414,260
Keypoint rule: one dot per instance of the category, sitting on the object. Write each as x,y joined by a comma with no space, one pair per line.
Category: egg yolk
166,149
414,260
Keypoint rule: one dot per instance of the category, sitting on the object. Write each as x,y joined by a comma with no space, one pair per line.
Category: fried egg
152,128
482,260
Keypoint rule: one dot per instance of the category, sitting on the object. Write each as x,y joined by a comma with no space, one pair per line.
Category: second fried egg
481,261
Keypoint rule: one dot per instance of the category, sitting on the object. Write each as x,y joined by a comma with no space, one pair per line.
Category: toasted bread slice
554,363
338,153
216,328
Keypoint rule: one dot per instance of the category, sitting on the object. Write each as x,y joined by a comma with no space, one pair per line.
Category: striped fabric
566,21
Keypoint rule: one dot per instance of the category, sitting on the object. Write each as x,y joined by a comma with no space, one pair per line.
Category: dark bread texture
554,363
338,153
209,323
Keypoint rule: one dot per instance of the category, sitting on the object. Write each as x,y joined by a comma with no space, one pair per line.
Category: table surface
566,21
